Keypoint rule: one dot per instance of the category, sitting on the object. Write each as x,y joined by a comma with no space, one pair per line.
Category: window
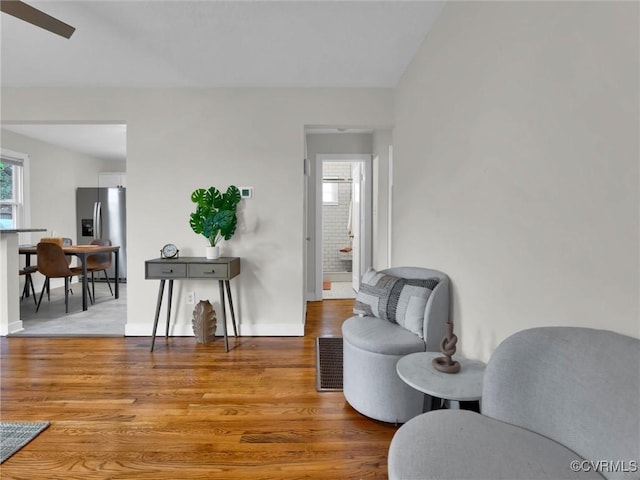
12,189
330,193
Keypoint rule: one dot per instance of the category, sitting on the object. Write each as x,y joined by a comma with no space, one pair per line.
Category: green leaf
215,215
231,198
223,219
196,222
214,197
198,196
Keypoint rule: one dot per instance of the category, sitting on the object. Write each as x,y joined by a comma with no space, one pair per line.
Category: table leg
233,315
155,322
28,282
117,292
426,403
85,285
435,403
432,403
27,263
169,307
224,315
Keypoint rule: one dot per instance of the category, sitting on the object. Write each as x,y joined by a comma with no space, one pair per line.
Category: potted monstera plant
215,216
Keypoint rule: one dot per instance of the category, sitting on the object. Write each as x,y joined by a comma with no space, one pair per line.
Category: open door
355,227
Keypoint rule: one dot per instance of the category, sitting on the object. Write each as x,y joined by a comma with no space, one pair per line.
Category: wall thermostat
246,192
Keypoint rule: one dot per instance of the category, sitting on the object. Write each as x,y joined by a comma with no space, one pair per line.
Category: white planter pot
212,252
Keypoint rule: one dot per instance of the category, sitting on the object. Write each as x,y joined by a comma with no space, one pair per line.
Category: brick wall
335,219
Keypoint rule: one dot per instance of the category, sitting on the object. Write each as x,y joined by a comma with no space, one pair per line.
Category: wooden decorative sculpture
204,322
448,348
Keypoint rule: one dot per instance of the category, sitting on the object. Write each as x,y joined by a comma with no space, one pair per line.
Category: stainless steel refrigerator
102,213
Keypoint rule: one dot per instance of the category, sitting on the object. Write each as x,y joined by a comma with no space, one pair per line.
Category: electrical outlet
191,298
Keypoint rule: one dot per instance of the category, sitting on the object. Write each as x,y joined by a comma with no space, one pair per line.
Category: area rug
15,435
329,364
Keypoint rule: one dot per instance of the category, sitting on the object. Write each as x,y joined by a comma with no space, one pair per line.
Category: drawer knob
170,271
212,271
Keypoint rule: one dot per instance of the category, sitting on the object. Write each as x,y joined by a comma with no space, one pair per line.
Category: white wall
182,139
516,166
55,173
382,140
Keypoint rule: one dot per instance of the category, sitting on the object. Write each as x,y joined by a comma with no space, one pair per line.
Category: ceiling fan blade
36,17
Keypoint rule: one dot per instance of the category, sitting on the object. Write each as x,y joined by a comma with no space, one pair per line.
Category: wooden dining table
82,252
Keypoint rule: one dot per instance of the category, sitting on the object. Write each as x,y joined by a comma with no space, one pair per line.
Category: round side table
417,371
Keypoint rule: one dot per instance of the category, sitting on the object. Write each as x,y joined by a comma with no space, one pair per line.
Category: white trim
271,330
12,155
317,240
25,212
390,207
9,284
244,330
15,327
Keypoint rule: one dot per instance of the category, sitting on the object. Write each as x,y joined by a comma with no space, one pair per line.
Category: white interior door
355,224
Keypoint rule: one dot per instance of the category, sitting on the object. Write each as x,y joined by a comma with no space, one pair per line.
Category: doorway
343,221
370,148
96,153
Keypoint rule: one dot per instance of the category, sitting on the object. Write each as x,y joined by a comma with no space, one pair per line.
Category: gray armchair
558,403
372,346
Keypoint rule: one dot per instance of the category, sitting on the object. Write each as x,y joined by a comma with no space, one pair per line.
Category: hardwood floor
186,411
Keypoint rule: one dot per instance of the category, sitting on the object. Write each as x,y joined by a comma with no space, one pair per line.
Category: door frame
366,255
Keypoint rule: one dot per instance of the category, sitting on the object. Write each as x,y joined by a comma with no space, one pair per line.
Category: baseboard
244,330
14,327
272,330
337,276
312,297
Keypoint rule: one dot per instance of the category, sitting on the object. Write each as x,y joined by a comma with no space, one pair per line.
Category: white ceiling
107,142
200,43
265,43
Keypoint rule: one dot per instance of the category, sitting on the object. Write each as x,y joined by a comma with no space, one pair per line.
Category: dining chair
63,242
56,240
52,263
99,262
28,281
67,242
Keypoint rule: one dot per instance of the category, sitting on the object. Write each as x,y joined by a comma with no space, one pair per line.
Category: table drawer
211,270
168,271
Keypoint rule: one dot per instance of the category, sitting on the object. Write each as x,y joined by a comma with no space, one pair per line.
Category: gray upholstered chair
556,401
372,346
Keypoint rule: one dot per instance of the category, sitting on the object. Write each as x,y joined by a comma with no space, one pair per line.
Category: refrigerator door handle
97,220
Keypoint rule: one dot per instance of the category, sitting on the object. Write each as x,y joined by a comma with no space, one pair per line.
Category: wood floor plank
187,410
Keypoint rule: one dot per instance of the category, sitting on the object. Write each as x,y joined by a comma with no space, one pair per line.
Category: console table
222,269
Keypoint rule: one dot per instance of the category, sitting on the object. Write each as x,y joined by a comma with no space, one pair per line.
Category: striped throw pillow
398,300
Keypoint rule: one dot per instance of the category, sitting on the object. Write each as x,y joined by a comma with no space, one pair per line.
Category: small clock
169,251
